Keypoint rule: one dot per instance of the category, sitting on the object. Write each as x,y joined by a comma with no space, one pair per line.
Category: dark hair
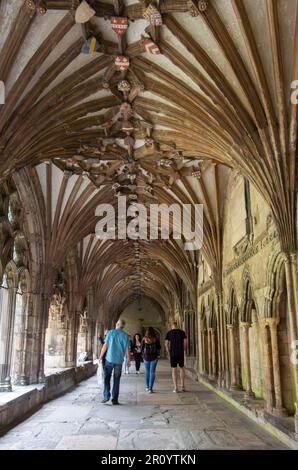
134,338
150,334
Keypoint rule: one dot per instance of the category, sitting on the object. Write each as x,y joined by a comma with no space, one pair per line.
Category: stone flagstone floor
197,419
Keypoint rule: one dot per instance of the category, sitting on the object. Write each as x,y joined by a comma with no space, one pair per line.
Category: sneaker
104,401
115,402
175,390
147,389
150,391
183,389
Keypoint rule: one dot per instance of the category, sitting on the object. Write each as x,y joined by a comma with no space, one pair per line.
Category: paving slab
87,442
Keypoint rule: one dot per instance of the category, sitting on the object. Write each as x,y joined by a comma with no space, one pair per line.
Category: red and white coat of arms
153,16
121,62
149,46
119,25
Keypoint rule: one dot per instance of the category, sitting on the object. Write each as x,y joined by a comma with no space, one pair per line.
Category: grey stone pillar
245,327
20,372
44,314
7,319
231,330
278,410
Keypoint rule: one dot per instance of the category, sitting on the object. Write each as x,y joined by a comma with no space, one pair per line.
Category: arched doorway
140,314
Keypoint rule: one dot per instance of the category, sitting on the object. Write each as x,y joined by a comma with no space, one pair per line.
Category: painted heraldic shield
153,16
119,25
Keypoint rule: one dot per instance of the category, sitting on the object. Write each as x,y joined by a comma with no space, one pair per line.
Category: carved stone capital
273,322
263,322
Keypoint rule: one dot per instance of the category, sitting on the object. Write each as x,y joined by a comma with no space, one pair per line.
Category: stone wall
246,345
16,405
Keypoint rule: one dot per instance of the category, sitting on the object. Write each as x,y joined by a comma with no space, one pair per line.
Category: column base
235,387
21,380
279,412
249,395
5,386
41,378
221,380
227,379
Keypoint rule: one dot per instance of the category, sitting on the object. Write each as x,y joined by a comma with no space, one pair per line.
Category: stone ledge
260,417
18,404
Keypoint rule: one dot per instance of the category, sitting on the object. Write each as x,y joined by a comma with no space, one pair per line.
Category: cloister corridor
196,419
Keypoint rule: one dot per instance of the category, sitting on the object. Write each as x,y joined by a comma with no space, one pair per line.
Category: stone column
83,335
213,349
96,341
43,323
57,333
209,353
245,326
231,332
25,356
267,363
278,408
70,358
21,376
90,338
76,336
291,273
6,339
203,352
33,339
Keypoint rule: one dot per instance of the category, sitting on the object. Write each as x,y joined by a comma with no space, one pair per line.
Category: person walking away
176,344
116,346
126,366
137,351
150,349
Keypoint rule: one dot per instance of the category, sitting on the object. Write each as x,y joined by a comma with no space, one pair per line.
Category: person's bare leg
182,377
174,377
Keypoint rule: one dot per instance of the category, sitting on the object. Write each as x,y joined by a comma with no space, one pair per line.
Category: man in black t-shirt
176,344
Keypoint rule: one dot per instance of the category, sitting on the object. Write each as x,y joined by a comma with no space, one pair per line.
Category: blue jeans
150,367
108,369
